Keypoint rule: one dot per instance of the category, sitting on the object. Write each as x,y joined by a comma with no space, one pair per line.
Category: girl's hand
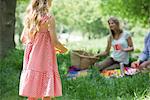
64,50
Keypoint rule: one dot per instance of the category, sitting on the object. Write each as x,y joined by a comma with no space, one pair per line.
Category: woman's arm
144,55
130,45
53,35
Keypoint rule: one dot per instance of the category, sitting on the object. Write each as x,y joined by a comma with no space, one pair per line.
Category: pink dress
40,76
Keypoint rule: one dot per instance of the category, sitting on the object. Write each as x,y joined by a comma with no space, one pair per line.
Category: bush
10,70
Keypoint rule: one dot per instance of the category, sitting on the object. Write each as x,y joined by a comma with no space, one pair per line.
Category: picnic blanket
74,72
117,73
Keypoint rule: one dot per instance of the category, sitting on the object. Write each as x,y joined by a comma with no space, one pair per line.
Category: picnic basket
82,59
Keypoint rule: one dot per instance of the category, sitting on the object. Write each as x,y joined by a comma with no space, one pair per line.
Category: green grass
99,88
91,87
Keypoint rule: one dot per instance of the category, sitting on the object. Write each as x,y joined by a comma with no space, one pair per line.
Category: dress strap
45,18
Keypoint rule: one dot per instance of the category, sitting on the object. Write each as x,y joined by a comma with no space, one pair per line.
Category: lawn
91,87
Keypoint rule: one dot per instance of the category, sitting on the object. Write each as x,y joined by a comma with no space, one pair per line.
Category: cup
117,47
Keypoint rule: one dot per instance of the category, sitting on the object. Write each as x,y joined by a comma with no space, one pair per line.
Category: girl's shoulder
50,17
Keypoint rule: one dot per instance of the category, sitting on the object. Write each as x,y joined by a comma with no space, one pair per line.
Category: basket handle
85,56
76,53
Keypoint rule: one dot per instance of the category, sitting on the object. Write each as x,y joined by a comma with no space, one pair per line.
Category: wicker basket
82,59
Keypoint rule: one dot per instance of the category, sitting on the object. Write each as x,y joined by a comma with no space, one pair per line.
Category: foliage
137,11
20,13
90,17
10,70
20,9
80,15
76,15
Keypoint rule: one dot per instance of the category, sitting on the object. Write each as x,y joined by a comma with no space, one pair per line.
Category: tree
134,10
7,25
80,15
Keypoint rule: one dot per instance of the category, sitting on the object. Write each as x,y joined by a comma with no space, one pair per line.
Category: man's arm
144,55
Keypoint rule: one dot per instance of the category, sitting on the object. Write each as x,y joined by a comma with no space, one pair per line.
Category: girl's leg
31,98
105,64
46,98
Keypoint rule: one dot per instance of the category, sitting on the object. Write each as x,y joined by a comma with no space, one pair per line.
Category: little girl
122,44
40,77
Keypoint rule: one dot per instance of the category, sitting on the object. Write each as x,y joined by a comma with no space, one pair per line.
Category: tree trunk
7,25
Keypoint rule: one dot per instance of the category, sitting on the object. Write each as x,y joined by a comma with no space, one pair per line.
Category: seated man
143,61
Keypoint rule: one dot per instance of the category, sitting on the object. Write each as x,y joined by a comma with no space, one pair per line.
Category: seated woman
143,61
122,44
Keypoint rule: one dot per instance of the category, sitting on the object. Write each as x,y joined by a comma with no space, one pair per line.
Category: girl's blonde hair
34,12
